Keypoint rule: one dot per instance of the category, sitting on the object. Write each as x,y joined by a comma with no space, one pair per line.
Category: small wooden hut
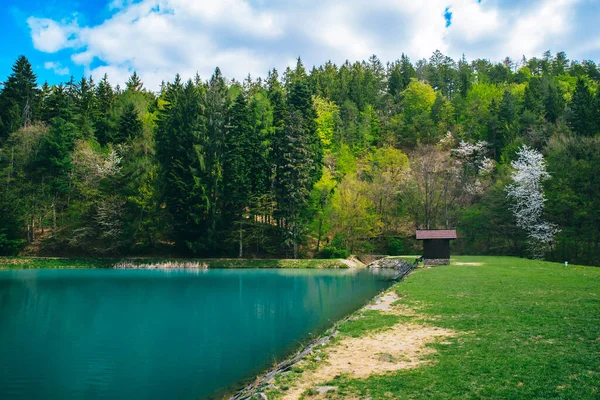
436,245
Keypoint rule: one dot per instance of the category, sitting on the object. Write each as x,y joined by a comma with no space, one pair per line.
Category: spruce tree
134,83
180,152
19,98
582,118
58,104
130,125
85,106
236,167
216,104
105,97
299,159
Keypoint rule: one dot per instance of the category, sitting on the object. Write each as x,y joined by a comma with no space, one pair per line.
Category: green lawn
527,330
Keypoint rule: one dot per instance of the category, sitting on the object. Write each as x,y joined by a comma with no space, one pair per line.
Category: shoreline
261,383
265,379
24,262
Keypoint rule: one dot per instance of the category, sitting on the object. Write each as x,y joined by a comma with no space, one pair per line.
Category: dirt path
402,346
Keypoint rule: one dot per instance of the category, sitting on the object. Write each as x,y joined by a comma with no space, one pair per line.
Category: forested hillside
335,160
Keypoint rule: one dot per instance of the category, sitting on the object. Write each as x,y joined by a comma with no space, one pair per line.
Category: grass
527,330
369,321
55,262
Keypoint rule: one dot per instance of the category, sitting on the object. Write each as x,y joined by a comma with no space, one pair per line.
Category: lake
152,334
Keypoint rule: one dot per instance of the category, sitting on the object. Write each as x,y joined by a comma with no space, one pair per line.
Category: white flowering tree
526,195
474,166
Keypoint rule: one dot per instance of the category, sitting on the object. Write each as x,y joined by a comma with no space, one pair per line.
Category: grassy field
525,330
50,262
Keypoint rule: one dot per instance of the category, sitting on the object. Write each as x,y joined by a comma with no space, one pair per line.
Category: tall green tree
105,98
19,98
236,167
181,155
130,125
582,116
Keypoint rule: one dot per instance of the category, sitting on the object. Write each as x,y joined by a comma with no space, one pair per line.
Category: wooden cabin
436,245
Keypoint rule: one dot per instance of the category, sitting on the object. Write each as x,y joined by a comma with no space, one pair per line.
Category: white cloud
51,36
472,21
56,67
160,38
537,31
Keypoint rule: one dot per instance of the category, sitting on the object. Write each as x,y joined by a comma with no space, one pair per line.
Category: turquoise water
147,334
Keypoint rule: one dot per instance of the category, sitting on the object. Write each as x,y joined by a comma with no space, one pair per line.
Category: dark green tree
236,167
180,152
130,125
134,83
19,98
105,98
582,116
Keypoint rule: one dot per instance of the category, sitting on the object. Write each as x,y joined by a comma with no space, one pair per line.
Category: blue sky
159,38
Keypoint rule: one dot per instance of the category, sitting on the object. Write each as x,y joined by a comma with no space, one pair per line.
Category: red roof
436,234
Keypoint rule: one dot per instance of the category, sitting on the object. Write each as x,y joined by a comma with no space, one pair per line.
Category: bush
9,247
394,247
333,252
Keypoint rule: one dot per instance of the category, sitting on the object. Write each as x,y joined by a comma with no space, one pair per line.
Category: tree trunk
320,233
295,241
54,215
241,242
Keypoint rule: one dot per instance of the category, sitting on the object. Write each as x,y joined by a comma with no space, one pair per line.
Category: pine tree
216,104
394,81
300,99
236,178
299,159
553,100
134,83
105,100
130,125
582,118
19,98
293,176
180,152
533,100
85,106
58,104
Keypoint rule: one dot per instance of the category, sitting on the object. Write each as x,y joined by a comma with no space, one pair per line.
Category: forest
327,162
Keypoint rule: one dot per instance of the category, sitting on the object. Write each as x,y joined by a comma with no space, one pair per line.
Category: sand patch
477,264
388,303
402,346
352,262
384,303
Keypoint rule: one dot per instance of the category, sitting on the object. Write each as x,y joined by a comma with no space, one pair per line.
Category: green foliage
19,98
278,167
130,126
333,252
582,114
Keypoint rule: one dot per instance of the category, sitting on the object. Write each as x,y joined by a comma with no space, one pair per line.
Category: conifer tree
236,166
134,83
130,125
299,159
180,152
19,98
582,118
215,104
58,104
85,106
105,98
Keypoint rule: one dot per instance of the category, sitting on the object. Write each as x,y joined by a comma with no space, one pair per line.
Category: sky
159,38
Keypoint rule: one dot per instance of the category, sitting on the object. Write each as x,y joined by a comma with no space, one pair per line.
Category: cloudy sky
159,38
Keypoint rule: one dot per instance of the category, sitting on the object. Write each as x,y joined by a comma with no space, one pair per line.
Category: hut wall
436,249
